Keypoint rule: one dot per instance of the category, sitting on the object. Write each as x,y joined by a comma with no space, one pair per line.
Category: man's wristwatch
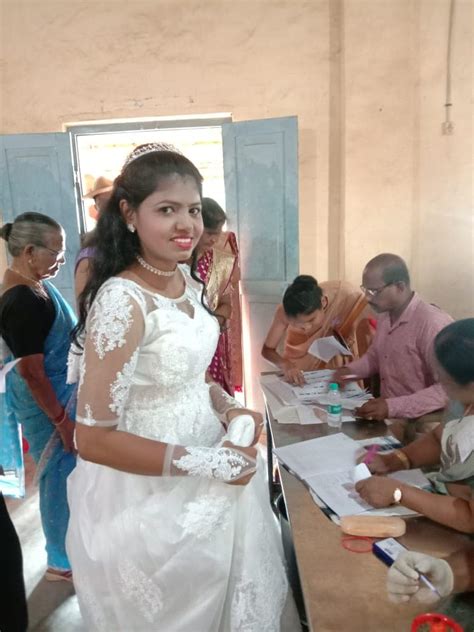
397,495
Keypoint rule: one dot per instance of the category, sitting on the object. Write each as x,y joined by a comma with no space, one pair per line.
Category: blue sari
53,464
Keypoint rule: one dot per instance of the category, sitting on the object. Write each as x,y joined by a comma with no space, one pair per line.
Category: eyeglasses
57,253
376,291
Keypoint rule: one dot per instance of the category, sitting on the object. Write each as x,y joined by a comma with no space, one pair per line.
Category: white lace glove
241,430
403,579
223,464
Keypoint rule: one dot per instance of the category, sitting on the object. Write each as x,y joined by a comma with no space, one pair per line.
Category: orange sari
346,317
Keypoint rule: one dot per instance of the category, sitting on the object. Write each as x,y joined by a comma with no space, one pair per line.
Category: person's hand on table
374,410
377,490
257,418
292,374
403,579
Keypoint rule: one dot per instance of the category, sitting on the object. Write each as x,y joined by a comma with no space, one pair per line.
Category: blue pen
427,583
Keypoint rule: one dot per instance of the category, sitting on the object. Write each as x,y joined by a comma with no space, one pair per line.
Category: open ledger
327,466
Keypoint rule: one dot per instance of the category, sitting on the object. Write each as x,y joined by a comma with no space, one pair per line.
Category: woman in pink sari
218,267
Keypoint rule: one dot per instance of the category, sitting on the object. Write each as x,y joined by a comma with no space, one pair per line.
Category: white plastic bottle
334,416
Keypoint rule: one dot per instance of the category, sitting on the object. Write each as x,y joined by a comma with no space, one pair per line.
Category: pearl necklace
153,270
37,283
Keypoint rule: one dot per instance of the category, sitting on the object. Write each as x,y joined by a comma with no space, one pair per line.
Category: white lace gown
165,554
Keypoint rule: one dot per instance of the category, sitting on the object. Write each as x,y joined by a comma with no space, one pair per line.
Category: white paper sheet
277,392
326,348
325,454
337,490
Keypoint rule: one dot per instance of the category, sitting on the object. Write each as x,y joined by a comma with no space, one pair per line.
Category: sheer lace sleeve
221,401
114,330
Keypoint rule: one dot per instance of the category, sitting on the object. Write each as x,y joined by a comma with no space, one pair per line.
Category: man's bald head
391,267
386,282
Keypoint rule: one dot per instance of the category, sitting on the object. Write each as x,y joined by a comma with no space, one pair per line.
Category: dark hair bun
303,296
304,282
5,231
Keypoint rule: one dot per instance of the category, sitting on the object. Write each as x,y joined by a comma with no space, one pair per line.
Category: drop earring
131,228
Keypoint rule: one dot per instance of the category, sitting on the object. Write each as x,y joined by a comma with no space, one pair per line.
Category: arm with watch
456,512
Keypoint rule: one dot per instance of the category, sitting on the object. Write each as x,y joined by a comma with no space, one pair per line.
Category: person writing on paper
452,575
310,311
449,446
402,350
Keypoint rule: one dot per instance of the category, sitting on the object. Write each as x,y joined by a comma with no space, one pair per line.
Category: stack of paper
284,405
309,402
327,465
315,391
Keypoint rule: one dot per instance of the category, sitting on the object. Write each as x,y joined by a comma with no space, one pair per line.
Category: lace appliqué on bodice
144,365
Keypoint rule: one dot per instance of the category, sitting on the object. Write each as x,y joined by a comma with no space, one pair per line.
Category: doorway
101,149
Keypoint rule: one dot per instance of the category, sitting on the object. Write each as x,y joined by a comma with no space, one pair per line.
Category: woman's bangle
57,421
403,458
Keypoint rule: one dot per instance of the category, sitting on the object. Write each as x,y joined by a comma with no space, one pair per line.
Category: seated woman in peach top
310,311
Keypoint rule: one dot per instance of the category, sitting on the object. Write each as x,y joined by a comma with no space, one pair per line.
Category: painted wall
408,188
365,77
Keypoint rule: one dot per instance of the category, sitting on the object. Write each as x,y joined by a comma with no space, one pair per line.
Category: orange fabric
346,315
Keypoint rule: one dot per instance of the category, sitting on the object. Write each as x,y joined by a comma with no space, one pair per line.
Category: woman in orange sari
218,267
310,311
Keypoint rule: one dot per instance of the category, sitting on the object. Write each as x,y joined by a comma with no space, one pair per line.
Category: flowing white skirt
174,554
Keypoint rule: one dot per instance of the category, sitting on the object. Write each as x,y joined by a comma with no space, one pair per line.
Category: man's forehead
373,272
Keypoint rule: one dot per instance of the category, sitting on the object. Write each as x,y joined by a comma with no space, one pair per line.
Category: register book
327,466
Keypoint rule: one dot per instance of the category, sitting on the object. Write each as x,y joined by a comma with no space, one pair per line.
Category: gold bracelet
403,458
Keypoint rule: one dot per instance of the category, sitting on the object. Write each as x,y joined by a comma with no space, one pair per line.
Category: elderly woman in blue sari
36,323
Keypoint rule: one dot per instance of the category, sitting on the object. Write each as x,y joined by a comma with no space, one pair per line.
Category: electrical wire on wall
447,126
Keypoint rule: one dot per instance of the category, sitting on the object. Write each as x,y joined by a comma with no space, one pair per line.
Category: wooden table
345,591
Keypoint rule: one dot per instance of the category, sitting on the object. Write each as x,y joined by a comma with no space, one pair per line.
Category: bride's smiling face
169,221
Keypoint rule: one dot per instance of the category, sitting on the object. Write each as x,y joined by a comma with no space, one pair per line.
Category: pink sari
219,269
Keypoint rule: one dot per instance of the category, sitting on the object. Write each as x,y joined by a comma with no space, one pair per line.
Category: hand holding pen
376,463
418,576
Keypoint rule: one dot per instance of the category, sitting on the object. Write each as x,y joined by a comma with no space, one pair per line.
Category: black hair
454,350
27,228
116,248
303,296
213,215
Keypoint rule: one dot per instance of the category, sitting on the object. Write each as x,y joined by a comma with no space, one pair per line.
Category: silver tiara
149,148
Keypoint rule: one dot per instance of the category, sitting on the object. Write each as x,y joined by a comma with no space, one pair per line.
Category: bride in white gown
169,531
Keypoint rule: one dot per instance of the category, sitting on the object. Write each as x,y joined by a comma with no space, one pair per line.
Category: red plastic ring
357,538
